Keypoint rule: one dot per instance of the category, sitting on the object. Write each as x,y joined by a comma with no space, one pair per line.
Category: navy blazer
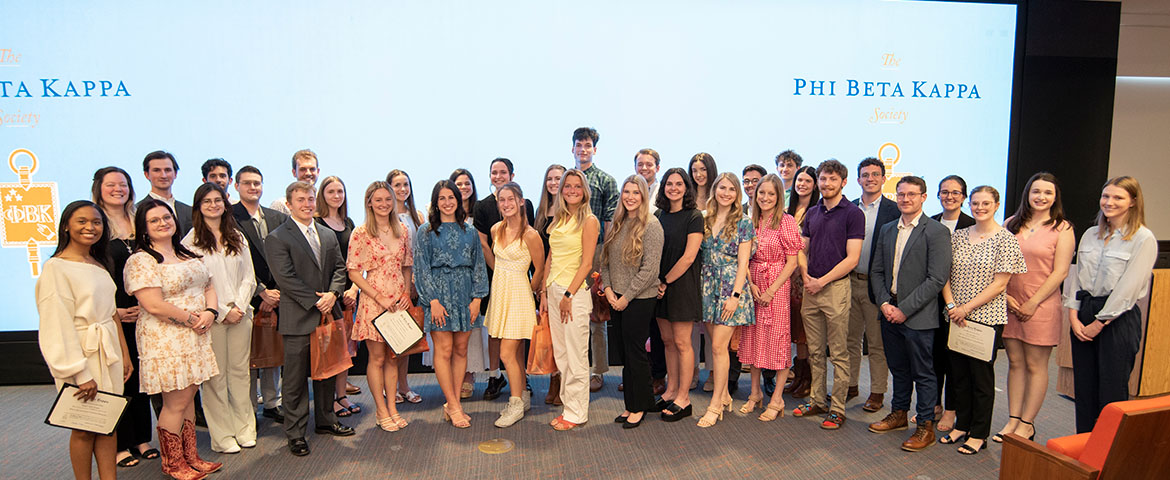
887,212
299,277
273,219
964,220
924,269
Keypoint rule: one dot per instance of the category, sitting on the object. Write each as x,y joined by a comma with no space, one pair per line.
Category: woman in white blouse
79,337
227,401
1114,262
411,218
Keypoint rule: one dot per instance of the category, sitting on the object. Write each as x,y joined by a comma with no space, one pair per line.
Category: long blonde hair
371,222
734,212
547,203
773,220
501,233
562,210
636,222
1135,218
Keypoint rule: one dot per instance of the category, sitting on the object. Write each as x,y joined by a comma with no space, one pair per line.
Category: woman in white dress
227,402
79,337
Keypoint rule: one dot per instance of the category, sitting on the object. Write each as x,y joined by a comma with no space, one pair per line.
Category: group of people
794,263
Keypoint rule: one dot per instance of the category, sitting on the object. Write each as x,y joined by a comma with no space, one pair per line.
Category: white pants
227,397
571,351
477,351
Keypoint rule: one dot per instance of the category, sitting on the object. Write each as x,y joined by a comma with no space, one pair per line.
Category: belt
860,276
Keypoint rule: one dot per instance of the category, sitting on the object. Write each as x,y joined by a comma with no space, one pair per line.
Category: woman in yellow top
572,240
81,342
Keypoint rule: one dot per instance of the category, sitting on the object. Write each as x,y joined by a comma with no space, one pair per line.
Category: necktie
315,244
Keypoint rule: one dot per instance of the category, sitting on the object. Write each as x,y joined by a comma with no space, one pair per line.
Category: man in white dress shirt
304,169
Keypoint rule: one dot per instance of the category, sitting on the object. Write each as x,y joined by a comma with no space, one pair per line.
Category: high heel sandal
718,412
398,420
752,404
998,437
387,424
776,412
1033,435
457,418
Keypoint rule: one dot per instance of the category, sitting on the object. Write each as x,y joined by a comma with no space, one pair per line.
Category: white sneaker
232,448
512,413
248,443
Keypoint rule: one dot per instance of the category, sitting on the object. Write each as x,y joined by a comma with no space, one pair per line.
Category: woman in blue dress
451,279
727,303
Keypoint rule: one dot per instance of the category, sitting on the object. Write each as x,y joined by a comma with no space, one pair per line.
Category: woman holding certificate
174,289
227,399
985,256
380,248
451,278
79,336
1114,262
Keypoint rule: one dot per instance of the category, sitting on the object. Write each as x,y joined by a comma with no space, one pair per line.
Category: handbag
540,349
421,345
328,353
267,345
347,319
601,310
733,345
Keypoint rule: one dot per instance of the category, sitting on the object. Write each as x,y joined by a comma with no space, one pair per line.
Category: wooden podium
1151,370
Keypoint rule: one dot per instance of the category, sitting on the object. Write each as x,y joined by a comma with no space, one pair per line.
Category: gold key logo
28,210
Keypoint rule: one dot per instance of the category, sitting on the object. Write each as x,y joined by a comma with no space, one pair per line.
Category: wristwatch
214,313
735,294
950,306
568,294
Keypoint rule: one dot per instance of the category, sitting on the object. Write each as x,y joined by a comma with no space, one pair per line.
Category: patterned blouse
974,267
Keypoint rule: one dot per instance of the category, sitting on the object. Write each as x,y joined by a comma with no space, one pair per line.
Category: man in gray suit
306,262
911,263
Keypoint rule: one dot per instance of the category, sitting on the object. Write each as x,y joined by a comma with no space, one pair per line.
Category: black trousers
973,381
135,426
295,389
1101,368
633,328
942,366
657,353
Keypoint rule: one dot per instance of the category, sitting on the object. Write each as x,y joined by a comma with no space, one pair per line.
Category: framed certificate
100,415
398,329
974,340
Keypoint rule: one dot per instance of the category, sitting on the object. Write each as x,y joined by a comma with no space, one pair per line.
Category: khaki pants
863,317
227,398
826,324
571,350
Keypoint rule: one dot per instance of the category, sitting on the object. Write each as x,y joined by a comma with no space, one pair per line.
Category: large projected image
428,87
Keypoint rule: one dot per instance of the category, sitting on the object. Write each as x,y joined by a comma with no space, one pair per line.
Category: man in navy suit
863,312
910,265
306,262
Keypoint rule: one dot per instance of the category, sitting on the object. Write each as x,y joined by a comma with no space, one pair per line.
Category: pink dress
382,265
1044,328
767,343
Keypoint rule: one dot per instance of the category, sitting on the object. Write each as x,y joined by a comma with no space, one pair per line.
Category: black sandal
149,454
968,450
998,437
676,412
342,410
947,440
129,461
1033,435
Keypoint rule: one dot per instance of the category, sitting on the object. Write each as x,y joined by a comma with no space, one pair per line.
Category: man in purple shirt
834,229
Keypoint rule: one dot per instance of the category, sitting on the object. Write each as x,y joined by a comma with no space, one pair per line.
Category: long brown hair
636,222
203,237
372,222
323,206
734,212
545,208
1024,212
1135,218
127,208
773,220
409,203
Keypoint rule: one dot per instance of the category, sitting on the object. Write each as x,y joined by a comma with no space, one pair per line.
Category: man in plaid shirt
603,197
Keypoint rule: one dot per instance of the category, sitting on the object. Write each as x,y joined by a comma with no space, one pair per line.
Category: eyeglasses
751,181
901,196
951,193
158,220
212,201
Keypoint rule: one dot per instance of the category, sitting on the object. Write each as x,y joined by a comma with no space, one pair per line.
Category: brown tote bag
267,345
540,349
421,345
328,351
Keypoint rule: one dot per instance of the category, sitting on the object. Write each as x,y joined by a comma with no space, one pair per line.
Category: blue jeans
909,354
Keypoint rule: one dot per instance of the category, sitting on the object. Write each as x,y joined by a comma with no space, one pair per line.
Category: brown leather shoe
923,437
658,386
896,420
595,383
852,393
874,403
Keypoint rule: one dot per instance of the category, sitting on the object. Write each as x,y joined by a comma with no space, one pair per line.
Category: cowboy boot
191,453
173,462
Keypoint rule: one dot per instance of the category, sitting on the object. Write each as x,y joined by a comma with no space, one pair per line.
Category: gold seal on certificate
398,329
974,340
99,415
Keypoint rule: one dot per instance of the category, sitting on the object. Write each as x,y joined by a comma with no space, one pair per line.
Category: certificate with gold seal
99,415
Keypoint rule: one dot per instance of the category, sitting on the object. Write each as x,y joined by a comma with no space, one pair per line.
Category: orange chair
1131,440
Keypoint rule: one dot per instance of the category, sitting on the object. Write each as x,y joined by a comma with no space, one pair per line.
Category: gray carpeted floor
735,448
